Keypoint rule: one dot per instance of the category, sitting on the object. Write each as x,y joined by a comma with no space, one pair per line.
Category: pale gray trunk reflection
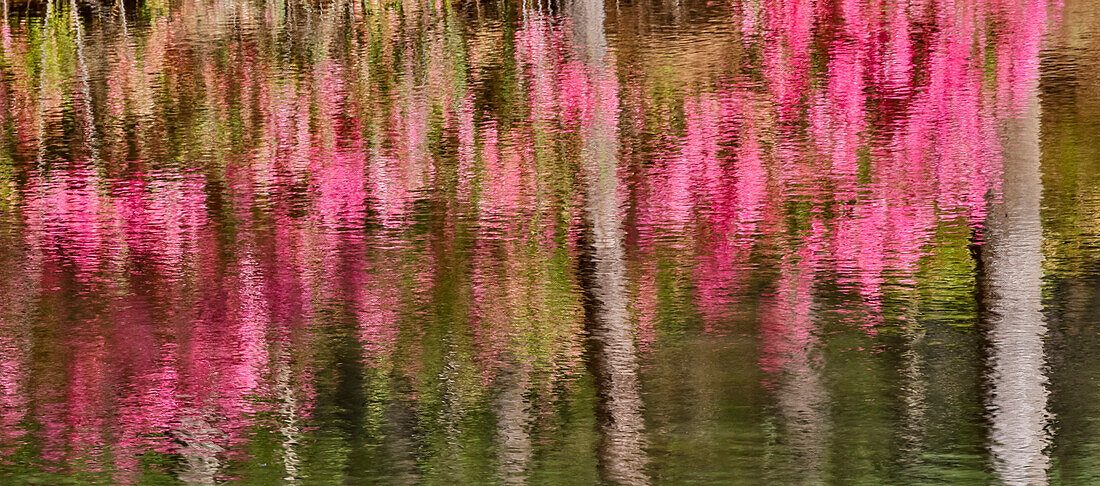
614,361
198,449
514,412
86,119
802,399
1012,276
587,17
914,394
289,425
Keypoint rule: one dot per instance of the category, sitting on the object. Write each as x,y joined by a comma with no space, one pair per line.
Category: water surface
550,242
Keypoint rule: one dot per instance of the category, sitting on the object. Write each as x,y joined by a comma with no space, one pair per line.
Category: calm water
550,242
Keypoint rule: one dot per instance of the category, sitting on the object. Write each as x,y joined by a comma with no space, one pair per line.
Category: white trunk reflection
1012,261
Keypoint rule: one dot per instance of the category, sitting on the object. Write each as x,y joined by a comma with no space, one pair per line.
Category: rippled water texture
550,242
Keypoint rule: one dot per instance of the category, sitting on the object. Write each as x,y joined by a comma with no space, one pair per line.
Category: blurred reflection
792,358
540,243
515,420
1012,261
613,358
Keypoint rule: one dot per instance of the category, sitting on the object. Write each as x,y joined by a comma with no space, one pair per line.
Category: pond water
550,242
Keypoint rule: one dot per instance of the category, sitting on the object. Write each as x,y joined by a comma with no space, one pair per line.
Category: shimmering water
550,242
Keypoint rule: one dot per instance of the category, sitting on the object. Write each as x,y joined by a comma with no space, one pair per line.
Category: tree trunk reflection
1011,288
613,357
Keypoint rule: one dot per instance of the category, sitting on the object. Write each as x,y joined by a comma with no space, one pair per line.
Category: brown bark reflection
613,358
